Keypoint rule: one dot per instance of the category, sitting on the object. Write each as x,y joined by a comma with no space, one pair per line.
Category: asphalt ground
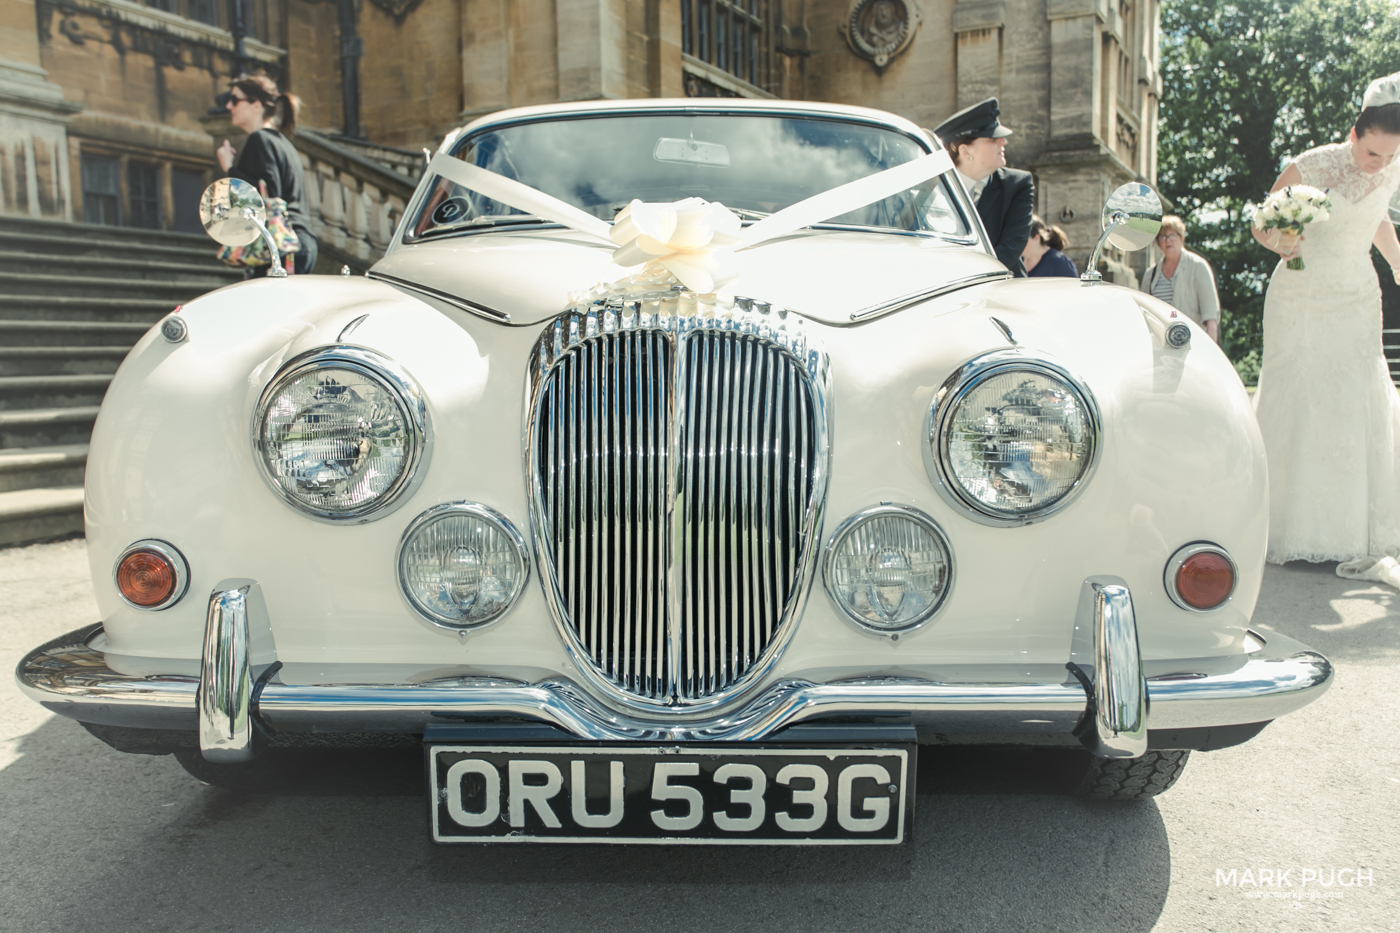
95,840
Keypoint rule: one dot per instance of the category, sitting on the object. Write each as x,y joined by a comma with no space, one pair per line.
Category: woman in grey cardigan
1182,279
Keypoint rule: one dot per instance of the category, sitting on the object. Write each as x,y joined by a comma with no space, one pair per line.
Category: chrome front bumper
68,677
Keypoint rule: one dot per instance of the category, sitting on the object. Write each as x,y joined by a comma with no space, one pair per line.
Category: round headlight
1012,439
889,568
340,433
462,565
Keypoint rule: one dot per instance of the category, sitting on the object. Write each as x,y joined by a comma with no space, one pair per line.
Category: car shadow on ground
1346,620
137,842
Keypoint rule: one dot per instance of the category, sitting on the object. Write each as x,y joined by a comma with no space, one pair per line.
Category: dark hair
278,107
1051,236
953,146
1383,119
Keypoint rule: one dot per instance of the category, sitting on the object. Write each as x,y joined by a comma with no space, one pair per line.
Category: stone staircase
74,298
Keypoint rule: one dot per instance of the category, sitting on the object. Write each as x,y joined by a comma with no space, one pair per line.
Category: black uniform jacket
1005,209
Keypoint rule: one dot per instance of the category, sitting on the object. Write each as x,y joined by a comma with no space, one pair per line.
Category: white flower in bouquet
1288,211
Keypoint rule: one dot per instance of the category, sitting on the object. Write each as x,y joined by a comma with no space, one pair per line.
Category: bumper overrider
1105,700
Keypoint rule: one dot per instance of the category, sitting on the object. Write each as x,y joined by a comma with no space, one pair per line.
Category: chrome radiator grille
677,469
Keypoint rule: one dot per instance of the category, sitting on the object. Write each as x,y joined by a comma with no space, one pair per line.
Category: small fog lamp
889,568
462,565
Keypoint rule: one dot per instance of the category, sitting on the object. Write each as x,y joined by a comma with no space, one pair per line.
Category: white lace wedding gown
1328,412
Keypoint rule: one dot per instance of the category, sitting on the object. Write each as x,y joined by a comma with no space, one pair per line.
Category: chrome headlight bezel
482,513
392,377
951,394
909,513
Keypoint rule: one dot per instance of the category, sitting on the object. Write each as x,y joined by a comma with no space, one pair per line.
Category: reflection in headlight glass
335,439
890,572
1019,441
461,569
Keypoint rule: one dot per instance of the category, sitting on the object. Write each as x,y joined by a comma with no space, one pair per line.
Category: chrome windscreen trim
1180,557
68,677
965,378
491,314
913,298
177,560
383,370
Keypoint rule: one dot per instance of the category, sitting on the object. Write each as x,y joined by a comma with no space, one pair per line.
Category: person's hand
1396,273
226,155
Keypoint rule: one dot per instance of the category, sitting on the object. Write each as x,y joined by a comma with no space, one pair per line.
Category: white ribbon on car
692,239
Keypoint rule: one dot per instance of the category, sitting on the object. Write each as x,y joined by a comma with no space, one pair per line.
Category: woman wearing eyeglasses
1184,280
268,157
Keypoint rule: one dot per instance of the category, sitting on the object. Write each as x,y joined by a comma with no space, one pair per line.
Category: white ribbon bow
688,239
694,239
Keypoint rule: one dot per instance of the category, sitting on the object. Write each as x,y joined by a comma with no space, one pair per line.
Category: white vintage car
680,470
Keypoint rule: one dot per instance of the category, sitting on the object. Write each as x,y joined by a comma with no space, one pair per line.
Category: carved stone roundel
879,30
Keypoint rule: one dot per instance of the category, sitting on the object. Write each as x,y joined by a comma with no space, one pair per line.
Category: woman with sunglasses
268,157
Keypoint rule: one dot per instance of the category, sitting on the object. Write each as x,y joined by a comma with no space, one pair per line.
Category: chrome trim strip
896,304
171,553
1120,690
71,679
908,513
965,378
1176,560
225,678
410,397
491,314
486,514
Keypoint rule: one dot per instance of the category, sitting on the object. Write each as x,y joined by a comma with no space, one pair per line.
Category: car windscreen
754,164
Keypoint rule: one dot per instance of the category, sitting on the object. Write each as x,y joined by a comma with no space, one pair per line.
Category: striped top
1162,287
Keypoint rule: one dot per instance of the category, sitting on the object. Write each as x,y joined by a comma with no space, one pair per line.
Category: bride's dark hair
1383,119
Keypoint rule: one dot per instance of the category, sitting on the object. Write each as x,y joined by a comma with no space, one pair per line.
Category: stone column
592,36
34,167
979,26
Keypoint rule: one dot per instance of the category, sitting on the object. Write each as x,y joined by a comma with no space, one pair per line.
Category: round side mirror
1138,212
224,211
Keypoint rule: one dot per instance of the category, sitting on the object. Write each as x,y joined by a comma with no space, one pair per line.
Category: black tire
269,771
1130,778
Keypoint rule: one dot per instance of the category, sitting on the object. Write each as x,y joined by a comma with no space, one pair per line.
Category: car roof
714,105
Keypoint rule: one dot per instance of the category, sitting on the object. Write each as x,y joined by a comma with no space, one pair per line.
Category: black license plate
670,794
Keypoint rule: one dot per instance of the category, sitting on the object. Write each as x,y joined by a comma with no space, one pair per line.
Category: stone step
84,308
60,361
19,393
30,515
12,223
75,285
17,334
210,274
42,467
78,242
47,427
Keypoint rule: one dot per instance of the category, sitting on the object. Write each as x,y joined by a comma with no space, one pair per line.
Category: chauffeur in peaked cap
1004,196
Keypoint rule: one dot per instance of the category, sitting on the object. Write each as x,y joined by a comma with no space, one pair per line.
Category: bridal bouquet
1287,211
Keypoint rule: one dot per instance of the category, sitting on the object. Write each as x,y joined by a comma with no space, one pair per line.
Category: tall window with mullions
732,35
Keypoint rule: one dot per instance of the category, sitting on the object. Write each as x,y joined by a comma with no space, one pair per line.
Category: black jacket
1005,209
268,156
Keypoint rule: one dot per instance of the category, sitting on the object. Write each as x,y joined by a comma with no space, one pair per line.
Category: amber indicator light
146,578
1205,580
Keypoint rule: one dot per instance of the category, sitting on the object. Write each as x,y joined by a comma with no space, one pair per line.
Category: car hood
827,275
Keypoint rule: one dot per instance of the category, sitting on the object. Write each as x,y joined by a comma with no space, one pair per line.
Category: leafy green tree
1246,84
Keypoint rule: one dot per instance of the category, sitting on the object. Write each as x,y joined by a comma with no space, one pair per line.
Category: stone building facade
104,104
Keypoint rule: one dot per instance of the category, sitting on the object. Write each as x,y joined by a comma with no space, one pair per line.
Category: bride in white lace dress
1327,410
